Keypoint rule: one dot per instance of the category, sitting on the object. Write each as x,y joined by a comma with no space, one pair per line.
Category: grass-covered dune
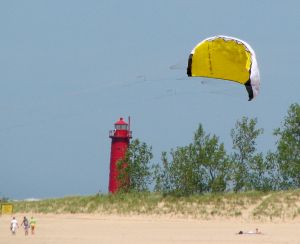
249,205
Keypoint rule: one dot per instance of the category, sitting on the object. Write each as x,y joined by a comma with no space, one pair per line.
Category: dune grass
254,205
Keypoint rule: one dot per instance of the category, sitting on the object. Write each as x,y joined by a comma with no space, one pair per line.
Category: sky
70,69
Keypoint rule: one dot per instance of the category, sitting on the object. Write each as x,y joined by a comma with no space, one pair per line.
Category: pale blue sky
70,69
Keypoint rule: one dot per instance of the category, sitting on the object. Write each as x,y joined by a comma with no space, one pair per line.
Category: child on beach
25,223
13,225
32,225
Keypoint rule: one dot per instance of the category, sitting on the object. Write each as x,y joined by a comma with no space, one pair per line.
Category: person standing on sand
32,225
25,223
13,225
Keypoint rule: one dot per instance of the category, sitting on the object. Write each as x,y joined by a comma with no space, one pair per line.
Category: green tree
274,175
212,161
186,177
178,175
288,148
245,160
135,169
261,173
199,167
162,175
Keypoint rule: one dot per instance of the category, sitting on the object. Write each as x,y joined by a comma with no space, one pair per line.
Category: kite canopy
227,58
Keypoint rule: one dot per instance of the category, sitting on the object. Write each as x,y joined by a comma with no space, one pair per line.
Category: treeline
205,166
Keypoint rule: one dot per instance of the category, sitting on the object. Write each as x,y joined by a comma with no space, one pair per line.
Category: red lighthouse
120,137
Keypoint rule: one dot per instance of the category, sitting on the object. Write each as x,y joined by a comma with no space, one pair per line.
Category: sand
92,229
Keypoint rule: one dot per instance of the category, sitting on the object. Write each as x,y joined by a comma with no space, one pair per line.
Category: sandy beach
92,229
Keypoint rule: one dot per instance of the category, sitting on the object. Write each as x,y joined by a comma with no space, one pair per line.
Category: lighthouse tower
120,137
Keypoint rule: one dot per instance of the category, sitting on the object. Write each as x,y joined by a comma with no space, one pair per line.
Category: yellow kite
227,58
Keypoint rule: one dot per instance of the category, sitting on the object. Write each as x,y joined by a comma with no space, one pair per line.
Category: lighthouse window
121,127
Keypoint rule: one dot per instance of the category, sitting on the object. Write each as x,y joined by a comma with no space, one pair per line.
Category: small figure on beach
14,225
25,224
32,225
249,232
